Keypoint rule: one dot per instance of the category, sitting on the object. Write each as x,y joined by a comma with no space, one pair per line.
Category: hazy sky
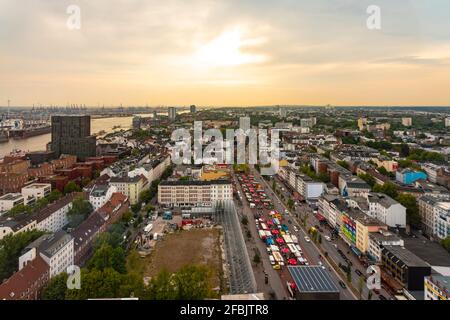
225,52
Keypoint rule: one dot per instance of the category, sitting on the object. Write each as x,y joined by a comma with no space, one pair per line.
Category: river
40,142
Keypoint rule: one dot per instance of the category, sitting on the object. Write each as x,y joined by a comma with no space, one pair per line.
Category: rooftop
24,279
406,256
38,186
11,196
382,199
193,183
50,244
312,279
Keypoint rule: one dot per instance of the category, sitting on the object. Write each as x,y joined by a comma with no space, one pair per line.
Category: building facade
72,135
194,193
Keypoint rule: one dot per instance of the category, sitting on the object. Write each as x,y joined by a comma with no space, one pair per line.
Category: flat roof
312,279
193,183
38,186
11,196
406,256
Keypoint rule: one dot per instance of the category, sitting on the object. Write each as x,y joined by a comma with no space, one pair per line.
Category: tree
127,216
136,207
79,211
343,164
40,204
56,288
290,203
98,284
412,210
71,187
369,179
361,282
18,210
54,195
11,248
256,258
108,257
446,243
404,150
369,295
192,283
388,188
161,287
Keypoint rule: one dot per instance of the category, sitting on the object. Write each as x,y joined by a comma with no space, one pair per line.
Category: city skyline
217,53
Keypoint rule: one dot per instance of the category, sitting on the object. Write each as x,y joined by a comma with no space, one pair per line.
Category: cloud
142,49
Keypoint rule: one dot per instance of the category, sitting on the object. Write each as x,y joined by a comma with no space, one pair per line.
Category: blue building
408,176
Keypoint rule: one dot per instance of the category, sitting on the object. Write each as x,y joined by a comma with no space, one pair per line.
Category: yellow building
389,165
130,187
364,226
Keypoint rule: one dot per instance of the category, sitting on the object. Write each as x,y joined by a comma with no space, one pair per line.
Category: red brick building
27,283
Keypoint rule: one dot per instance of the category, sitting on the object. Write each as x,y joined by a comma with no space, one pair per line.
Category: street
330,246
311,251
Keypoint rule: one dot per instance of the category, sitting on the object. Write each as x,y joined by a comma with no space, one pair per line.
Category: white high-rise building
172,113
447,122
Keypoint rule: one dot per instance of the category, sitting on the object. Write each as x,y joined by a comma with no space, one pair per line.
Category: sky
225,52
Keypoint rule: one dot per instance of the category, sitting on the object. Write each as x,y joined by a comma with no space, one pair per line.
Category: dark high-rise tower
72,135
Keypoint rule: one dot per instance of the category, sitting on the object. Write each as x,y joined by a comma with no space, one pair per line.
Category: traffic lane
275,280
346,294
356,264
332,251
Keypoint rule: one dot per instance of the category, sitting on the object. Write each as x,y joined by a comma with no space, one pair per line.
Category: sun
226,51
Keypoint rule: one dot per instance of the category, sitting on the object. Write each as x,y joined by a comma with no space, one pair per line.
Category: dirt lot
196,246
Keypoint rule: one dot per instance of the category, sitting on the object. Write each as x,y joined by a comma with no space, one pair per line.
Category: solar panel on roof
312,279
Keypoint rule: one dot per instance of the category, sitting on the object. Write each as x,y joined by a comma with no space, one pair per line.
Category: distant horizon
231,106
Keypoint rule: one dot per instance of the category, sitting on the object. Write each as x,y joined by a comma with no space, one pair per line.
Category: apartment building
388,164
9,201
54,217
15,225
408,176
366,225
100,194
435,212
130,187
433,171
437,287
36,191
405,267
306,187
56,249
26,284
377,241
386,210
351,186
194,193
50,219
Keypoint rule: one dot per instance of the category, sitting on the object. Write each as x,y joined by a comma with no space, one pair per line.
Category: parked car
272,260
327,238
359,273
342,284
307,239
382,297
295,229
